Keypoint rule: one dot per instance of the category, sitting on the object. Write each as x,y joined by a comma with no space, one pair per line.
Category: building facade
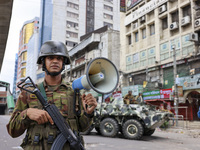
15,78
149,31
68,20
28,51
103,42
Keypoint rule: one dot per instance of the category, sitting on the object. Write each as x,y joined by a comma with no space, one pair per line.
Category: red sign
117,94
165,93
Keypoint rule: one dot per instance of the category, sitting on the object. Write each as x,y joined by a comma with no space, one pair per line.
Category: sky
23,10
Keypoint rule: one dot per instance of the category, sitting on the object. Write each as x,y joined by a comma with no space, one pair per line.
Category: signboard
117,94
142,10
165,93
136,89
122,6
190,83
151,95
132,3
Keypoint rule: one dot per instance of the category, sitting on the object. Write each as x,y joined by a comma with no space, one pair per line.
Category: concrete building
68,20
28,50
15,78
149,30
103,42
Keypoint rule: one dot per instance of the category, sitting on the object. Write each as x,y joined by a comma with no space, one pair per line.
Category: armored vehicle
133,121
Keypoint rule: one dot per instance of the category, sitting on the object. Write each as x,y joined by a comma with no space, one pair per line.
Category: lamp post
176,100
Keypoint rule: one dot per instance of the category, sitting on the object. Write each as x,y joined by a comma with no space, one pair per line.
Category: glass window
106,7
108,24
164,23
23,72
107,16
187,11
175,16
129,40
144,33
72,34
152,29
136,37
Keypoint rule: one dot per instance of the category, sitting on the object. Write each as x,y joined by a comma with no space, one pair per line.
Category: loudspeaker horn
101,75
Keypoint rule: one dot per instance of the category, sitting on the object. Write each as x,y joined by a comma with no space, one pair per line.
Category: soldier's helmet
52,48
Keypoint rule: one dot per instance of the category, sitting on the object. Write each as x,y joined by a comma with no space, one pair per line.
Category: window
72,34
72,24
108,24
72,5
106,7
23,72
129,40
152,29
24,56
136,37
110,1
187,11
107,16
144,33
71,44
164,23
175,16
72,15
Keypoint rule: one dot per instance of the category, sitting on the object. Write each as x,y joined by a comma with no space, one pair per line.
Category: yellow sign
144,84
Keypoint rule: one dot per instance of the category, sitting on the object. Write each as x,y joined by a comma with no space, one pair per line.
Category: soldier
28,113
129,98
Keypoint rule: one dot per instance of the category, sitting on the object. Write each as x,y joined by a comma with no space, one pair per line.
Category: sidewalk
195,133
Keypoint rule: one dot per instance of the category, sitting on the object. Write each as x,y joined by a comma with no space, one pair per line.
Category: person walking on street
29,115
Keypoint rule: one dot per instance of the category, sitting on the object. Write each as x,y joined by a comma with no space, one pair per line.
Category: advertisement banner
117,94
190,83
132,3
122,6
165,93
136,89
151,95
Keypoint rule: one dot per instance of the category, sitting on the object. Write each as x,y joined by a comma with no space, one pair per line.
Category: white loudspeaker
102,76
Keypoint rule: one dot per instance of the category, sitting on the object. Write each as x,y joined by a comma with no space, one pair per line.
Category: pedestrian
139,98
129,98
28,114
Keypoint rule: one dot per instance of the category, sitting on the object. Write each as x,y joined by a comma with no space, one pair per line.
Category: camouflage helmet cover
51,48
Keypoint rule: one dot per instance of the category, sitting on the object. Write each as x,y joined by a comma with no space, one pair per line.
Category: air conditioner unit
68,25
142,19
162,9
185,20
174,26
193,37
67,35
197,23
105,16
135,25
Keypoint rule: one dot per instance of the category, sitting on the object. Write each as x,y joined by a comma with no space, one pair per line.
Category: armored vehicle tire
132,129
87,131
109,127
149,132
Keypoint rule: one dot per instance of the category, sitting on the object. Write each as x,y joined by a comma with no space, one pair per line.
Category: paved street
160,140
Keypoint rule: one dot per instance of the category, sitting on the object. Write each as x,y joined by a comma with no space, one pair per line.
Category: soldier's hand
90,101
41,116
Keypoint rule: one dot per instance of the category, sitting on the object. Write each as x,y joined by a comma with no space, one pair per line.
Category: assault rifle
66,133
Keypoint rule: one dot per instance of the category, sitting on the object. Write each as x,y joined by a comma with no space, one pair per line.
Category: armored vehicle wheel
109,127
87,131
132,129
149,132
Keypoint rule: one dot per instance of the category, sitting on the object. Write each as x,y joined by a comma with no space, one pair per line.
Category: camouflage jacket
130,97
62,97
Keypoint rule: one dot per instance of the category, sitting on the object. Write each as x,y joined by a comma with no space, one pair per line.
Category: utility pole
176,101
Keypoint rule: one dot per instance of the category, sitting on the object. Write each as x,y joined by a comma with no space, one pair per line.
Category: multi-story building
15,78
150,29
103,42
68,20
28,50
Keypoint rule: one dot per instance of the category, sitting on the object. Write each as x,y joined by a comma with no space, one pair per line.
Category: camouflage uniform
62,97
129,99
